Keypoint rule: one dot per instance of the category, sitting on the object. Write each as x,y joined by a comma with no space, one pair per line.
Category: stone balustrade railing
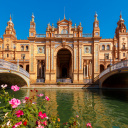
116,66
10,66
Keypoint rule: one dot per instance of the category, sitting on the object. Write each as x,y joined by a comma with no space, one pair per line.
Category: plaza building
64,53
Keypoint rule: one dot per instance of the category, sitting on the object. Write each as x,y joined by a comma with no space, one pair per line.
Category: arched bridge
121,67
7,67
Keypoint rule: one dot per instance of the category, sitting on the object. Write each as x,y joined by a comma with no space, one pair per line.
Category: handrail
118,65
10,66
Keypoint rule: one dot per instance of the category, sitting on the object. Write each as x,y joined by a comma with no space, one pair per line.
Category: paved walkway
62,86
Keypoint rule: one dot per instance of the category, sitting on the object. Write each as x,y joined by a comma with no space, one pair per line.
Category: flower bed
29,114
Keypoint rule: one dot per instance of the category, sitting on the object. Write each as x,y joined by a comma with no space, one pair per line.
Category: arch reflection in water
101,108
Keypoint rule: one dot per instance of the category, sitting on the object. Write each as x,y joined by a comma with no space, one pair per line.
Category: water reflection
102,108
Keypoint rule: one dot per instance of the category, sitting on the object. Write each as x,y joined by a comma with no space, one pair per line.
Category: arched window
22,48
103,47
64,31
108,47
26,48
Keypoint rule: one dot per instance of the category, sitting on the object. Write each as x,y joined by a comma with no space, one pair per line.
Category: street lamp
23,61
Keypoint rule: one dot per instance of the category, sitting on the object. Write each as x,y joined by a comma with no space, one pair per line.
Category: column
84,71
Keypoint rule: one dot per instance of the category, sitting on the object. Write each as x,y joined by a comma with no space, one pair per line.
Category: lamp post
23,61
14,52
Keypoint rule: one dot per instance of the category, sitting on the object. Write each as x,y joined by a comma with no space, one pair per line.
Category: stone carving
40,49
87,49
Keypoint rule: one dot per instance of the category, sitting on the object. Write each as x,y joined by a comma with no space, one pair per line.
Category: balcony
87,35
6,49
63,35
40,35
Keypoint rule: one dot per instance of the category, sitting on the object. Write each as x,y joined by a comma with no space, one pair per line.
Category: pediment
64,21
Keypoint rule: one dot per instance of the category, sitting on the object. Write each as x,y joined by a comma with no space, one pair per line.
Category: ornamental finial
33,17
96,15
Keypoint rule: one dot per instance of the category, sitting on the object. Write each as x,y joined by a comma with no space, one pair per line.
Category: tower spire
64,12
96,15
10,17
33,17
121,15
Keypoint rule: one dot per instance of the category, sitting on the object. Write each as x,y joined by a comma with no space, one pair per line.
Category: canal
101,108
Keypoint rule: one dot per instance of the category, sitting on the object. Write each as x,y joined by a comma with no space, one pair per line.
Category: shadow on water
11,79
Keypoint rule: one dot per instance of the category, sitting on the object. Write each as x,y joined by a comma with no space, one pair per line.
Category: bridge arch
118,68
7,67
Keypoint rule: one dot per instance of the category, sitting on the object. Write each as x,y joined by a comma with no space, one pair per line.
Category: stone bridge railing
10,66
122,64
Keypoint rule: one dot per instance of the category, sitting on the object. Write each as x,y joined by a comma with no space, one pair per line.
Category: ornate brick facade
64,53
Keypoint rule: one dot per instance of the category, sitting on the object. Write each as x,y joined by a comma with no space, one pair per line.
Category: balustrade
10,66
116,66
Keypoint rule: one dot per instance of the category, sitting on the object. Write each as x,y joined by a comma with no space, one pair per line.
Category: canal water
101,108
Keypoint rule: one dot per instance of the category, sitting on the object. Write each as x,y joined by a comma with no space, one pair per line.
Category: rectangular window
22,56
123,54
106,55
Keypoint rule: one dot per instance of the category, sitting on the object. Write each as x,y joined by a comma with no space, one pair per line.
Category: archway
108,65
101,68
64,64
27,68
21,66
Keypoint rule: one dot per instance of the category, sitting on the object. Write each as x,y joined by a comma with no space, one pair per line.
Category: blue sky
46,11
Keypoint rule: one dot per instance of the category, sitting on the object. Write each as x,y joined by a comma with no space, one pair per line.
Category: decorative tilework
75,58
87,49
52,58
32,52
47,59
80,59
40,49
96,58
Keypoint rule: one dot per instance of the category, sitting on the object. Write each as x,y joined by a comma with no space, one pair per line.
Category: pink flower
44,123
42,115
77,116
3,86
88,125
15,87
40,95
17,124
26,98
24,101
14,102
47,98
39,126
19,113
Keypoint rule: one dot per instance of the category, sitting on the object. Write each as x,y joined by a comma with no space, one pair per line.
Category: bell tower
96,40
10,31
32,30
121,28
96,29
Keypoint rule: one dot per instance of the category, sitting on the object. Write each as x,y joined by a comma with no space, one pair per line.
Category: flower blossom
39,126
77,116
45,123
26,98
88,125
47,98
19,113
15,87
42,115
5,115
17,124
14,102
4,86
25,123
40,95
